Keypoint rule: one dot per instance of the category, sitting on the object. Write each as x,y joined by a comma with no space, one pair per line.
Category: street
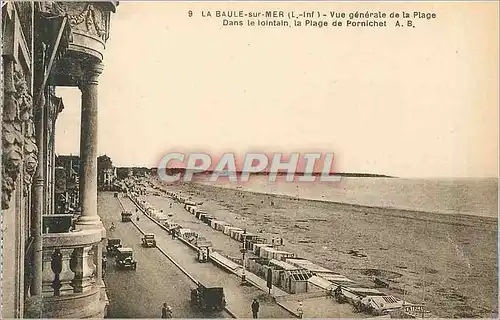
141,293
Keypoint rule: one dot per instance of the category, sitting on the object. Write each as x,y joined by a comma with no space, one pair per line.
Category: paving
141,293
239,298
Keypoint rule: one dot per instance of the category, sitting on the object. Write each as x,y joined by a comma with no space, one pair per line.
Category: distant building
67,194
106,173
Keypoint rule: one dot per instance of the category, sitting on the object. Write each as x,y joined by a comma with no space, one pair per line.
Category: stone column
38,204
88,147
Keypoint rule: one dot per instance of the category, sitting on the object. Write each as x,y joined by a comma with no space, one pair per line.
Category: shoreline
348,205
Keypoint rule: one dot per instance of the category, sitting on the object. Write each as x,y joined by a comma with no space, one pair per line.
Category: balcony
71,283
89,24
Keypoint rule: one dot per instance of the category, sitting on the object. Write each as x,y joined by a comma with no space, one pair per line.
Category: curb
232,314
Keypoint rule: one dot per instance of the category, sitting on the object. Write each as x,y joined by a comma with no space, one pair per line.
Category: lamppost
243,251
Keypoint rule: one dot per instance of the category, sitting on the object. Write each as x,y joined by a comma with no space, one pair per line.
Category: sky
408,102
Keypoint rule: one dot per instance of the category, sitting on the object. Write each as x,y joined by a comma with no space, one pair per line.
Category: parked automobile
112,246
124,259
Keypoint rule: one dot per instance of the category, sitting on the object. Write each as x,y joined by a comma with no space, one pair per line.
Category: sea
468,196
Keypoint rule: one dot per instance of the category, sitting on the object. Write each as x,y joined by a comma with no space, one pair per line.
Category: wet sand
454,256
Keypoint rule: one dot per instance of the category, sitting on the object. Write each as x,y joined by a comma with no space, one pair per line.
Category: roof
125,249
365,291
261,245
337,278
306,264
283,265
320,282
282,252
248,234
300,275
149,234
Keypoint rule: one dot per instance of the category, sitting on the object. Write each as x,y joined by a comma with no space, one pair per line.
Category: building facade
106,173
45,45
67,195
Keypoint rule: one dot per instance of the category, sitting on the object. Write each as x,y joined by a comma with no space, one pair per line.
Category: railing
71,281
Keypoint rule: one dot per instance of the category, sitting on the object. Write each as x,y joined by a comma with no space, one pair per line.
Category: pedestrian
255,308
166,311
300,310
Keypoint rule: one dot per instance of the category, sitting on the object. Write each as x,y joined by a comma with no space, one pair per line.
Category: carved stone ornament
19,149
82,13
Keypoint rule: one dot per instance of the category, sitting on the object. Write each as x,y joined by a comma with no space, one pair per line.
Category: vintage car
208,298
126,216
148,240
112,246
124,259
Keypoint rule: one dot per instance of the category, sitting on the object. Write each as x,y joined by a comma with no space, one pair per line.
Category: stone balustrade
71,283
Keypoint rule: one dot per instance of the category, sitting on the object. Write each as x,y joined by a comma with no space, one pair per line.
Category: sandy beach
449,261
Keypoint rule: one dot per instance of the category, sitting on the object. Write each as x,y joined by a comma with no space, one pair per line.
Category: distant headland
141,171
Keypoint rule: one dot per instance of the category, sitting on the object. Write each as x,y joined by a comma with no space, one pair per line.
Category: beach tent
227,228
266,252
213,223
382,304
200,213
295,281
162,218
258,246
279,267
235,230
236,234
187,233
253,240
282,255
257,266
246,237
170,225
